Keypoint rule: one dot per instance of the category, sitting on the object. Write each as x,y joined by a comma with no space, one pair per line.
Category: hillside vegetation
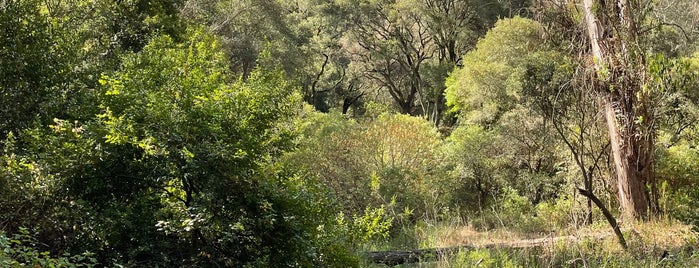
320,133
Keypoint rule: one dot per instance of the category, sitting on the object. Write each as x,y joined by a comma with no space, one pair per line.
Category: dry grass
659,243
661,233
467,235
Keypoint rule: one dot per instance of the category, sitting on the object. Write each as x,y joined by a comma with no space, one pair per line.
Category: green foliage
671,19
481,258
179,168
129,25
473,159
168,133
683,206
678,165
326,150
674,87
35,66
518,154
503,94
510,211
248,29
55,52
493,77
561,213
20,250
585,253
386,159
373,226
209,145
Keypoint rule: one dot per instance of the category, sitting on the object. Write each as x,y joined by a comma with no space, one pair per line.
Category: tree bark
620,73
629,159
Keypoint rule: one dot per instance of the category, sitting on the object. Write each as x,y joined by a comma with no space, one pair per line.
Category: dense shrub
178,169
388,160
20,250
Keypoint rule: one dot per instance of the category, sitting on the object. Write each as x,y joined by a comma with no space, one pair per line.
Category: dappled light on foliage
348,133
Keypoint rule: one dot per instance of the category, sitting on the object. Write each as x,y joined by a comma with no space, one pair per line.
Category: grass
658,243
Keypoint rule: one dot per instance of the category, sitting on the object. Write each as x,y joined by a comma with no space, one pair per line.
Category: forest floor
661,233
649,238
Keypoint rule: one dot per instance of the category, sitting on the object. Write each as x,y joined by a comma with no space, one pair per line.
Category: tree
575,118
247,28
392,43
407,47
127,25
501,90
303,36
675,24
473,156
455,27
391,160
34,63
326,78
210,147
179,168
620,78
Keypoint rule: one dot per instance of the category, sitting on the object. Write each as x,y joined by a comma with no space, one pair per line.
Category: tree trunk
630,165
588,188
619,66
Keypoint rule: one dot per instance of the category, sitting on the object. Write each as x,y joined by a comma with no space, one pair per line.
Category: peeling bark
628,165
619,75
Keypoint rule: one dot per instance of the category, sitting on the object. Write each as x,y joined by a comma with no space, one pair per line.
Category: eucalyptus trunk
619,66
632,155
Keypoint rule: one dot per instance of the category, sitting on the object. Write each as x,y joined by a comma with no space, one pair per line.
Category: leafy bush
21,250
505,137
373,226
560,213
511,211
473,161
178,169
389,160
677,167
684,204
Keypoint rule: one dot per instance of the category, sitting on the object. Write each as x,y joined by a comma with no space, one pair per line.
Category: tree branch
608,215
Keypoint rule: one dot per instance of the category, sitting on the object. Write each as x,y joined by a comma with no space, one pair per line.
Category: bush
511,211
180,168
370,164
21,250
684,206
560,213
